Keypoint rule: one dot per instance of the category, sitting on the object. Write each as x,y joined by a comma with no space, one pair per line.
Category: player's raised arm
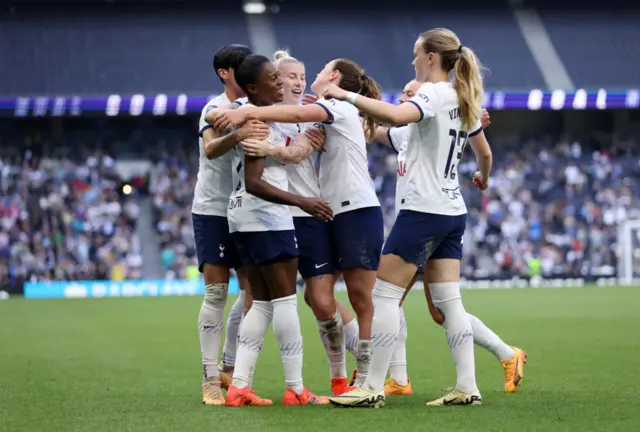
216,144
304,145
275,113
392,137
381,136
382,111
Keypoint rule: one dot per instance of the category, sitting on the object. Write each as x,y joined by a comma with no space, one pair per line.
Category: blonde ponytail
466,67
468,85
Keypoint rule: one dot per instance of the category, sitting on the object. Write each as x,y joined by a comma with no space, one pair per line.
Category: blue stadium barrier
127,288
161,104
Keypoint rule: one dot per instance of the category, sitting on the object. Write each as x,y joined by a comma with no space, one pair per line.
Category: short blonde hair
281,57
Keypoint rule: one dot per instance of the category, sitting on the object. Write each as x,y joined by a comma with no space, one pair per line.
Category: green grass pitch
133,365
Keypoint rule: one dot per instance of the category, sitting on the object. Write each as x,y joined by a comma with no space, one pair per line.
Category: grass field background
133,365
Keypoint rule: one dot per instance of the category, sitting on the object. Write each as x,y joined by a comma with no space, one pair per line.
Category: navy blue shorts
357,237
213,242
417,237
266,247
314,243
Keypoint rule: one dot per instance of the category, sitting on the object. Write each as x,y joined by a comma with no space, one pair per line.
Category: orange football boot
392,388
514,370
237,397
292,398
340,386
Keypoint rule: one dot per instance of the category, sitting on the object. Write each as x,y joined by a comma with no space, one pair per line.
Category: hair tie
363,77
460,49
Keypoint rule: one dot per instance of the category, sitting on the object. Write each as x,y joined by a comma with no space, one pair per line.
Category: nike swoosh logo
447,402
321,265
516,375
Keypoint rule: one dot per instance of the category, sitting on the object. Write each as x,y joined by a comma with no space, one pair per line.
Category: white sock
351,336
233,326
286,326
362,361
384,330
446,297
238,344
398,365
332,336
252,331
487,339
211,325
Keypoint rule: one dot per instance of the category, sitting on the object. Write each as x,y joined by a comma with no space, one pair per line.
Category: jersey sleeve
334,108
477,128
426,100
396,136
203,126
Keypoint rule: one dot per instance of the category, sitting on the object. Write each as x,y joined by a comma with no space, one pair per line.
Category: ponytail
468,86
354,79
371,90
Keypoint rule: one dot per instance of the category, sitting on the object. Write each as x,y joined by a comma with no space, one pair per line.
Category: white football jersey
214,183
344,168
248,213
435,145
398,137
303,177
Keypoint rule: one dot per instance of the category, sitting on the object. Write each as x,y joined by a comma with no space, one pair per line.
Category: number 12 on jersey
458,141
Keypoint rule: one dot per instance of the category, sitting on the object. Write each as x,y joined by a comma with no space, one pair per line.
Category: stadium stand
165,47
63,219
596,46
114,48
313,37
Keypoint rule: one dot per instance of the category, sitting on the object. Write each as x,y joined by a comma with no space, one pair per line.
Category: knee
361,300
215,295
324,308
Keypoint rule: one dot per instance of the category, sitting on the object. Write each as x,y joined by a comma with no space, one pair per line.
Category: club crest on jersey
452,194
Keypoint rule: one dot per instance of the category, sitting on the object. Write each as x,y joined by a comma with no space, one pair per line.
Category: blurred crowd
173,181
63,219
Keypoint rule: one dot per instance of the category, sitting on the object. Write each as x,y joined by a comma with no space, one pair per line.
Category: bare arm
382,136
216,144
275,113
384,112
255,185
484,157
294,154
387,113
253,169
289,113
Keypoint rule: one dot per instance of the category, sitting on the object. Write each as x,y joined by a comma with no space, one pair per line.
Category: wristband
351,98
